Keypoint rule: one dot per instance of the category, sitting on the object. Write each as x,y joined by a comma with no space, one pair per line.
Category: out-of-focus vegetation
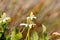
3,26
16,35
46,11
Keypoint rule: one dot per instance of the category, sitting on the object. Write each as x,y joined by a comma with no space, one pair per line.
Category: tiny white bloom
24,24
30,25
7,18
32,16
28,20
4,20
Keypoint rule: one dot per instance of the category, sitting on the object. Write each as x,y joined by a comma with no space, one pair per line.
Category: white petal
7,18
4,20
35,17
30,26
24,24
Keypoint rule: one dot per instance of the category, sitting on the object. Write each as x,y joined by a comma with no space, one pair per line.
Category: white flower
31,16
7,18
30,25
24,24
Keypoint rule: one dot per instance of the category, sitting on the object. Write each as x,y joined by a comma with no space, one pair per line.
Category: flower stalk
29,24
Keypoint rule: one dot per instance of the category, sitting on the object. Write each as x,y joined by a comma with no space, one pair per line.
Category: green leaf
19,36
44,28
16,35
0,34
45,36
8,38
34,36
13,35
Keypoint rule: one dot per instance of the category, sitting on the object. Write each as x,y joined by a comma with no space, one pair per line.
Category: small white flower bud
7,18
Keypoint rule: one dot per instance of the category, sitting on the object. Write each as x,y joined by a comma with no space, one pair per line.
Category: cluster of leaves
36,37
4,29
16,35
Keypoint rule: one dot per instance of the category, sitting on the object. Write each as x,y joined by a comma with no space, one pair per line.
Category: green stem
27,37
